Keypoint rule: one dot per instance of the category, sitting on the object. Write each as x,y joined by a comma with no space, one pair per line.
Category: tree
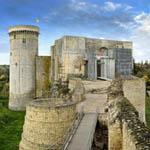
3,78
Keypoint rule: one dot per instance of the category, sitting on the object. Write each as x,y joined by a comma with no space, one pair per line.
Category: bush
3,78
140,74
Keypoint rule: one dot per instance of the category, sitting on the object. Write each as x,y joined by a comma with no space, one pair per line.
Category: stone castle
31,74
70,124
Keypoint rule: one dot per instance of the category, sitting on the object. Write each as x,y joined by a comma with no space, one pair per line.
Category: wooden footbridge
83,138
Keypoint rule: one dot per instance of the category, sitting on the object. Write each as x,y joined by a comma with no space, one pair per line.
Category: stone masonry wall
126,130
114,125
77,88
71,55
23,52
134,90
73,52
46,122
43,82
73,82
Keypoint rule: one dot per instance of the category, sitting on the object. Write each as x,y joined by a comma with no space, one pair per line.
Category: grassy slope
148,111
11,124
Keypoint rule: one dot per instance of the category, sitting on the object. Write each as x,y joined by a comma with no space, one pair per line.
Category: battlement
23,28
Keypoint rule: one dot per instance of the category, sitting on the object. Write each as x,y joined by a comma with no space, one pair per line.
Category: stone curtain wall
134,90
46,122
43,81
126,130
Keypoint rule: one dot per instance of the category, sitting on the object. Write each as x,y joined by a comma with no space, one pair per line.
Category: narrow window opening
24,41
14,36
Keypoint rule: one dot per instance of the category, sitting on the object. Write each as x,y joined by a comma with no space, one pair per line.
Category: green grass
11,124
148,111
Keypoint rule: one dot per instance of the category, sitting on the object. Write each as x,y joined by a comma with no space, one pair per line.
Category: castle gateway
91,58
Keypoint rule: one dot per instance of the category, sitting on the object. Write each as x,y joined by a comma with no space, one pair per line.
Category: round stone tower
47,124
23,52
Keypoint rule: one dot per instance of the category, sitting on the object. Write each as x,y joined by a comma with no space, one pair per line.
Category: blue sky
108,19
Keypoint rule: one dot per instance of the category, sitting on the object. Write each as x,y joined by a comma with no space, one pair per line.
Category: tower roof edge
23,28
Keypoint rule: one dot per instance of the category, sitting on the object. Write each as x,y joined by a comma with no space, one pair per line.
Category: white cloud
141,37
126,25
102,38
78,5
109,6
128,7
143,20
82,5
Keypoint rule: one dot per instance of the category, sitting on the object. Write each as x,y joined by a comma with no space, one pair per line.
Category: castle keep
31,74
92,58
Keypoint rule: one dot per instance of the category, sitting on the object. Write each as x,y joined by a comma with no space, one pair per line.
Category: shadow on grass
11,126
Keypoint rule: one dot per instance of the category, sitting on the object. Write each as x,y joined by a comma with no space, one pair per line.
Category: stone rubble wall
46,122
126,130
128,140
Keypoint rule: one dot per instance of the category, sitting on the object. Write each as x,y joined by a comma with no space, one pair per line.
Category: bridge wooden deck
83,138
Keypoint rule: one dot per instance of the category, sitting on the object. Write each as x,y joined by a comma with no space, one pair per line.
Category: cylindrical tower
23,52
47,123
